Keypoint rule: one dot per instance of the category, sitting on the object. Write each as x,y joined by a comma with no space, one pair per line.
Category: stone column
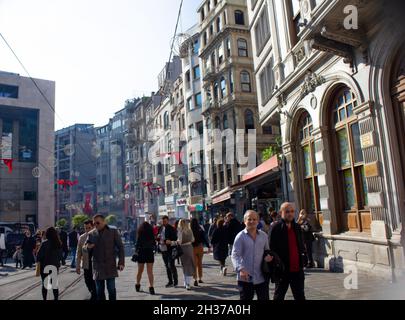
325,181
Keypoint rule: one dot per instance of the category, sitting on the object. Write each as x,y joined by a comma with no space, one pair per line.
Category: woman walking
145,247
220,244
306,228
198,250
50,254
185,238
28,247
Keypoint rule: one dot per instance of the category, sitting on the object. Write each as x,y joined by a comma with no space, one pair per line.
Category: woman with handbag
49,254
185,238
145,254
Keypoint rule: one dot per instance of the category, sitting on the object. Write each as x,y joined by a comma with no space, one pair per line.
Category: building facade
336,86
230,100
75,171
26,153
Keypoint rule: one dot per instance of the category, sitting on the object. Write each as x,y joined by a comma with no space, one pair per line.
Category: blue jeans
100,288
73,253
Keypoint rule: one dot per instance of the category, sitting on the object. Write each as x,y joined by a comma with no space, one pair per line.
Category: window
230,81
220,54
196,47
267,130
216,90
217,123
310,171
30,196
188,80
228,47
200,128
225,122
242,48
7,91
198,100
204,38
219,26
229,174
28,136
266,79
189,104
166,121
262,30
211,30
202,14
245,81
223,87
249,121
239,18
197,73
296,16
350,161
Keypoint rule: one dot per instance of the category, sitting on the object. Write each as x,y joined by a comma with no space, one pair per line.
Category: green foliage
61,223
111,220
78,220
273,150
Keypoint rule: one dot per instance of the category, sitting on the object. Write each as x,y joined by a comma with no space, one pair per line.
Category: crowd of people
274,247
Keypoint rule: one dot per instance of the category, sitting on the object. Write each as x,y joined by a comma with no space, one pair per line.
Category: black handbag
177,252
135,256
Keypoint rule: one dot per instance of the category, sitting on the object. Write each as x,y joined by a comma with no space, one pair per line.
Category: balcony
209,105
210,72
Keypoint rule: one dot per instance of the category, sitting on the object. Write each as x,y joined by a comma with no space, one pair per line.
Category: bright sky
99,52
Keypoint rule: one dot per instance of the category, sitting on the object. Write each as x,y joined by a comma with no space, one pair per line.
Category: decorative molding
311,82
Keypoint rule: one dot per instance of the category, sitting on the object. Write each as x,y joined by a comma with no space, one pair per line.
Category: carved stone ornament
311,82
299,55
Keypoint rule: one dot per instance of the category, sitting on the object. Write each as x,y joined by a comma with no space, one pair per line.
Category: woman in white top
185,239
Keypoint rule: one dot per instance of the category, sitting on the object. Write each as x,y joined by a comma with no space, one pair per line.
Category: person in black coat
167,235
219,241
28,246
63,236
234,227
287,242
73,241
50,254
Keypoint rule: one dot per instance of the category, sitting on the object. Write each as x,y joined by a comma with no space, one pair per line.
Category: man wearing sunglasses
105,244
286,240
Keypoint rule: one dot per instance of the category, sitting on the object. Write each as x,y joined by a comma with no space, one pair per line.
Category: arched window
242,48
219,25
225,122
309,169
245,81
217,123
249,121
350,163
239,17
166,120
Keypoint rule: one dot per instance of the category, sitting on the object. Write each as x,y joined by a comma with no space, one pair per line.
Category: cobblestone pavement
320,285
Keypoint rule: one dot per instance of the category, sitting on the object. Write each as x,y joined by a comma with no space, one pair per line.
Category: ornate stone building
336,84
229,95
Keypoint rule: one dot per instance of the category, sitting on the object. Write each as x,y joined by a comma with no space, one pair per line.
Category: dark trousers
100,287
170,267
73,253
65,253
247,291
18,263
295,280
90,283
308,245
45,290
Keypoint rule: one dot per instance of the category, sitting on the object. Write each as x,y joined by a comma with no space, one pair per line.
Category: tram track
20,294
31,274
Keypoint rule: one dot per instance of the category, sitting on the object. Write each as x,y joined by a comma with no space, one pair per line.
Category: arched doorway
398,102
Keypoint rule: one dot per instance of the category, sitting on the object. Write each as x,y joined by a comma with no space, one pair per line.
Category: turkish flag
9,164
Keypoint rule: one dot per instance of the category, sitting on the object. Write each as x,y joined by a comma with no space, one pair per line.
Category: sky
99,52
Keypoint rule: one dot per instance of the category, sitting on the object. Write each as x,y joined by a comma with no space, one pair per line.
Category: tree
273,150
78,220
111,220
61,223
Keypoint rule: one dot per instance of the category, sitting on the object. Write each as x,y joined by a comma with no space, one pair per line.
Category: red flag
9,164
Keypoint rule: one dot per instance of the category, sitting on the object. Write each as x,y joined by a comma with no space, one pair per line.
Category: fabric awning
222,197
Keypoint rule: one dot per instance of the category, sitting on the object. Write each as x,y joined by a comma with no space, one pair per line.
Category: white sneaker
224,270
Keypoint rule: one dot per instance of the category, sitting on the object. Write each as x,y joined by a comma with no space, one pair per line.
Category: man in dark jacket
65,250
73,241
233,227
167,235
287,242
104,243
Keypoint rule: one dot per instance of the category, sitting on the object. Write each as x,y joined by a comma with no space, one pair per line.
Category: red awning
261,171
222,197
